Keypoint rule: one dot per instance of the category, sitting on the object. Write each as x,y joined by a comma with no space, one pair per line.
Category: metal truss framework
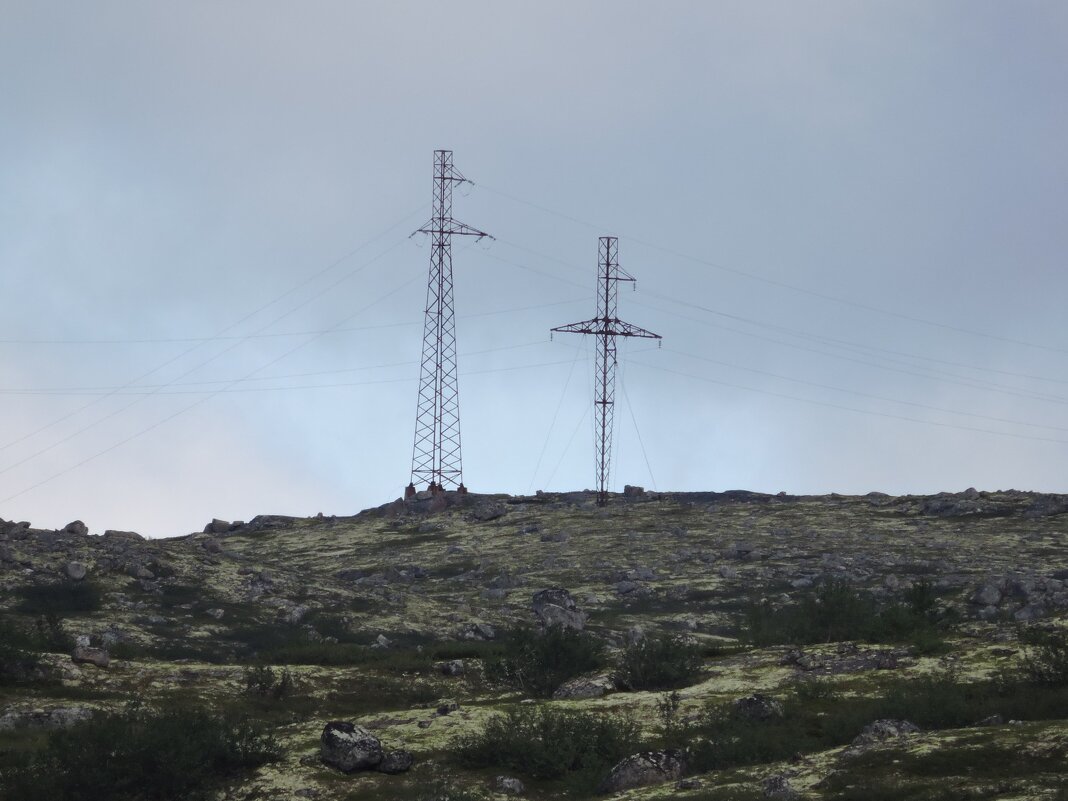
606,326
436,459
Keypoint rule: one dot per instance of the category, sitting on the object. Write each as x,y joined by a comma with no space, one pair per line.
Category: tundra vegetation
691,646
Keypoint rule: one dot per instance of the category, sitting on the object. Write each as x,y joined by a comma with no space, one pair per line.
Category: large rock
349,747
76,527
648,767
556,607
83,655
217,526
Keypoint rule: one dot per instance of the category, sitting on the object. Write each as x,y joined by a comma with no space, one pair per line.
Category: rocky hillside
733,645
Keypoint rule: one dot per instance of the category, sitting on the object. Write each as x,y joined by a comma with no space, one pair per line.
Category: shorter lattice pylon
606,326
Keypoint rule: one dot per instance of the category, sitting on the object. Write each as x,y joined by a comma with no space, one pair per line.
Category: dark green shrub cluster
60,598
836,611
140,756
538,662
658,663
21,645
546,743
264,682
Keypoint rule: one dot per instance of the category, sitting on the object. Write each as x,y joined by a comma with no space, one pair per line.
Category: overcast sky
847,220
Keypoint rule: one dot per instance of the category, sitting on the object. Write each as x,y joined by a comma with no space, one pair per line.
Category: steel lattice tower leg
436,458
606,326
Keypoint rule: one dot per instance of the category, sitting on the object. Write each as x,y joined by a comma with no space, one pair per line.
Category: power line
851,408
299,285
786,285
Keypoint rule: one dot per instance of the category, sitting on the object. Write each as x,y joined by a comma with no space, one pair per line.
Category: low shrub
1046,656
141,755
658,663
546,743
263,682
540,661
835,611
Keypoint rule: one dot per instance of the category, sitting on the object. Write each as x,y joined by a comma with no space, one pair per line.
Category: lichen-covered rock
349,747
986,595
394,762
648,767
508,785
556,607
584,687
75,571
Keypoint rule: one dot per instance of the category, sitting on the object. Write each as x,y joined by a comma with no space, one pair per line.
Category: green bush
540,661
141,756
658,663
60,598
546,743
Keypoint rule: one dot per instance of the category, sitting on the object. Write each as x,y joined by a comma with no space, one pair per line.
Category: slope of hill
419,622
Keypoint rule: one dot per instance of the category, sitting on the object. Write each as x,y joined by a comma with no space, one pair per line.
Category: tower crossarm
451,227
612,327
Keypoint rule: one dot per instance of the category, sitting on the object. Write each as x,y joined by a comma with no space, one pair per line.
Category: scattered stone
688,784
77,528
448,707
349,747
212,545
75,571
394,762
424,724
993,720
757,707
83,655
57,717
216,613
555,536
630,491
556,607
217,526
82,641
508,785
878,732
640,770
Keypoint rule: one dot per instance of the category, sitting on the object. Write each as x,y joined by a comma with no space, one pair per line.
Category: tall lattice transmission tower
436,452
606,326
